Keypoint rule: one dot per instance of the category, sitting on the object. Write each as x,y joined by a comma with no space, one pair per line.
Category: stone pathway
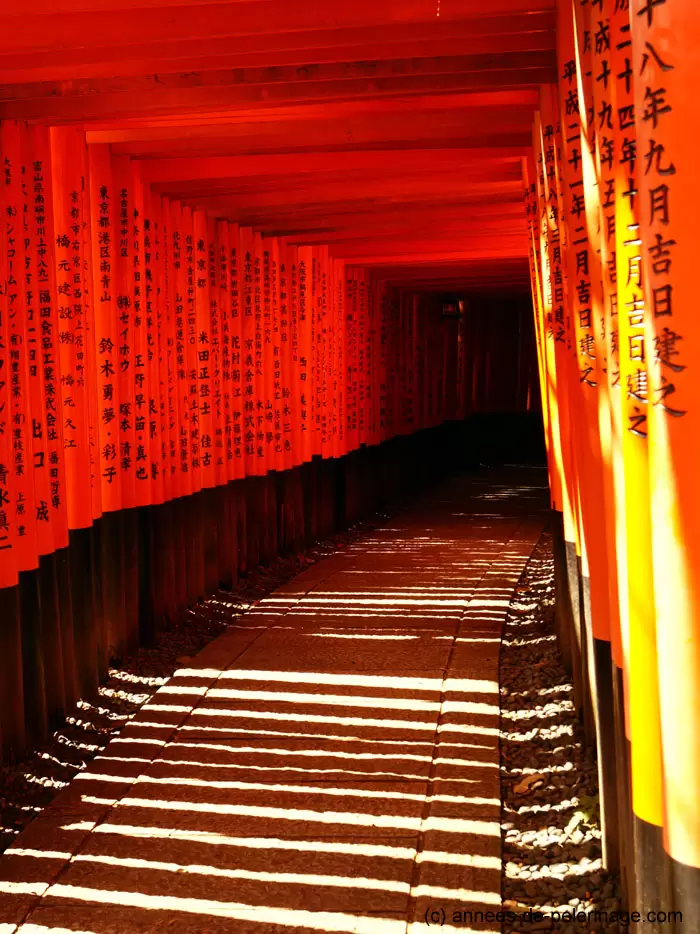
29,785
329,763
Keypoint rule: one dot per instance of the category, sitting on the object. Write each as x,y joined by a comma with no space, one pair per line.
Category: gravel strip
28,786
549,784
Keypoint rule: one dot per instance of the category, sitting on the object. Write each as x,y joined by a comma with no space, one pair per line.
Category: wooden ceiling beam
331,214
477,120
415,253
458,270
368,237
195,93
164,171
493,101
515,286
57,29
428,217
315,200
289,217
512,142
445,279
331,217
215,54
324,74
403,12
349,185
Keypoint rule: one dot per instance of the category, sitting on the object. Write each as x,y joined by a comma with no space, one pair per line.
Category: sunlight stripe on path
444,824
288,917
372,849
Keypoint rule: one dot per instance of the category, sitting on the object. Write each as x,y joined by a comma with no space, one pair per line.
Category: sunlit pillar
666,66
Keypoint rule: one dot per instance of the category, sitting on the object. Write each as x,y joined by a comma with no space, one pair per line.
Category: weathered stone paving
329,763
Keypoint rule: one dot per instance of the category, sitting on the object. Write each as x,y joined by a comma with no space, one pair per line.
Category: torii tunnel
411,278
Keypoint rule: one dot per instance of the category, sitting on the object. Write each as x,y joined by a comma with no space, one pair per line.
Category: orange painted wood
663,56
22,504
125,104
44,324
54,29
139,372
217,53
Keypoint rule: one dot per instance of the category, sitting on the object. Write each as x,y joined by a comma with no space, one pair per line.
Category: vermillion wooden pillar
638,654
665,38
564,384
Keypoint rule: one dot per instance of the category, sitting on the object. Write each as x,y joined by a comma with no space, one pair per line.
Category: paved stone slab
330,763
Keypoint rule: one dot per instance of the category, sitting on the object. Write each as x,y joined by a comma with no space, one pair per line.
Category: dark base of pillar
624,796
604,714
130,545
84,612
32,657
653,874
587,675
686,898
13,732
51,642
